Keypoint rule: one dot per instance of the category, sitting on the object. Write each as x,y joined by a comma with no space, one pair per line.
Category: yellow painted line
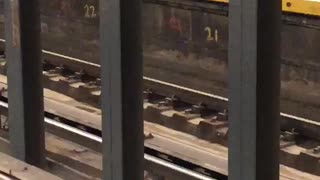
308,7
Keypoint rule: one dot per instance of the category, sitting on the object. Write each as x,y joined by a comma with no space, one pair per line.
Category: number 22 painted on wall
90,11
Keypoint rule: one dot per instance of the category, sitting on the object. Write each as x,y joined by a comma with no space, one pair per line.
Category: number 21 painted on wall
209,34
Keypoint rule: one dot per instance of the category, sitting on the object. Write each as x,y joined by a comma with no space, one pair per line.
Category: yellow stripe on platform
308,7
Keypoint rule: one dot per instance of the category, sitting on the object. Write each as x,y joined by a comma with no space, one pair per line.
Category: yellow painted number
209,35
90,11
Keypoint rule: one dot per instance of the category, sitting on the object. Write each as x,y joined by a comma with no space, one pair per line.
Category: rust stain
15,22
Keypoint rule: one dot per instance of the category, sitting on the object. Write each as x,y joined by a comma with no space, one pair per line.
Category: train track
64,128
187,110
163,143
90,90
90,137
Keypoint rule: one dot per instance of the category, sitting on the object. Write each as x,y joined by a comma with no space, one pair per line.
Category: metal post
254,72
22,32
121,73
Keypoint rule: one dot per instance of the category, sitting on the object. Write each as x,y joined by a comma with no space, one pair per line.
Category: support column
254,81
23,55
121,73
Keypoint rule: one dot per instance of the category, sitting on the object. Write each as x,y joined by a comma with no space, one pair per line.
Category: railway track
67,129
203,115
86,87
174,154
166,140
186,110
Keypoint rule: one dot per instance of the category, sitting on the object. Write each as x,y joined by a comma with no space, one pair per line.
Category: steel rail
224,99
98,139
5,177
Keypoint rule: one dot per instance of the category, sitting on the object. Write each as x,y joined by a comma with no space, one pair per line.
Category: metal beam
254,81
121,73
22,32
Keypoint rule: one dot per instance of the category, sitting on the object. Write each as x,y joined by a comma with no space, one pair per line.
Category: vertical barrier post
254,81
121,73
23,55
